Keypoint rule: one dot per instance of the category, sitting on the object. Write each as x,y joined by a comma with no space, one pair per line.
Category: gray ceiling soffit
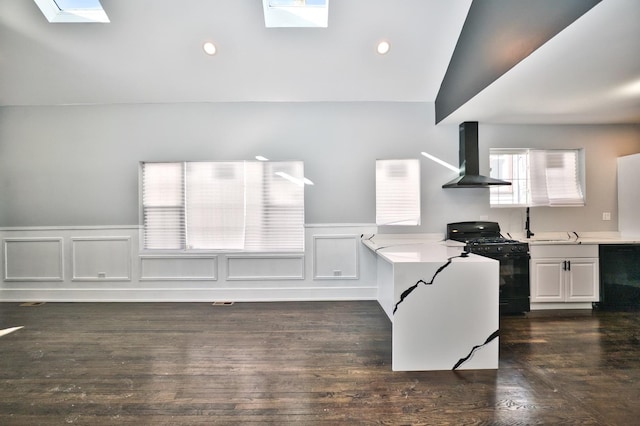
497,34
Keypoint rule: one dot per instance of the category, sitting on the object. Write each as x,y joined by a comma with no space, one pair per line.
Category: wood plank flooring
302,363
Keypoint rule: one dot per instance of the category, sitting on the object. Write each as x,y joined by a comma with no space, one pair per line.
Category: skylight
296,13
57,11
303,3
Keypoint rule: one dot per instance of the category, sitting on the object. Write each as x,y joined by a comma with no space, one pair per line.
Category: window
538,177
512,166
296,13
73,11
398,192
247,206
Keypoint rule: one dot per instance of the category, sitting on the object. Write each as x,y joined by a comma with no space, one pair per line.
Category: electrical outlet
606,215
337,273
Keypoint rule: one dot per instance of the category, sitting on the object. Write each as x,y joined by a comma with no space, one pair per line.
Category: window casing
237,206
398,192
538,177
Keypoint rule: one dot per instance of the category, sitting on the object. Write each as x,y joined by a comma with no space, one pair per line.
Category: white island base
450,319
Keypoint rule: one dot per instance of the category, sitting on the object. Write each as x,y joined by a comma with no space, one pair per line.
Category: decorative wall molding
106,264
265,267
335,257
33,259
68,228
178,267
101,258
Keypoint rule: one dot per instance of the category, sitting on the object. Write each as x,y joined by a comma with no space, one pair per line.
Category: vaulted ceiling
151,52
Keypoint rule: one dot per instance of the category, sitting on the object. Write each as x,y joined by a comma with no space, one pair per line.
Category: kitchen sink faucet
527,225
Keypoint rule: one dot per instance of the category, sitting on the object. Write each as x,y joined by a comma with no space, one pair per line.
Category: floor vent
33,303
222,303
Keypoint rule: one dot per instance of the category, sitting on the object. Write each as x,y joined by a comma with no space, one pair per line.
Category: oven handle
504,256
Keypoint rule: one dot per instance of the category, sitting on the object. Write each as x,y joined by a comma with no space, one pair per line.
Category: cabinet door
582,283
547,280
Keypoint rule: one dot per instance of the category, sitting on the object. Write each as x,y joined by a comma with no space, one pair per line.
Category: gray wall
77,165
602,146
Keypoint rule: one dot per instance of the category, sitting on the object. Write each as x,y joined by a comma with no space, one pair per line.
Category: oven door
514,282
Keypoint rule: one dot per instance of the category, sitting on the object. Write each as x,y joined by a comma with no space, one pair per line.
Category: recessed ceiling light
209,48
383,47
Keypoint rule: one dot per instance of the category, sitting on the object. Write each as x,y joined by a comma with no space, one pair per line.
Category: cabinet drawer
563,250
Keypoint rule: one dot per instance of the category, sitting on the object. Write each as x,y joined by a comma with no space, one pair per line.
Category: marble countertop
414,248
433,247
418,278
544,238
420,248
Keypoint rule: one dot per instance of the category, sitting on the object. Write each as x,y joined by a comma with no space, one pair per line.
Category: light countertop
433,247
545,238
416,248
429,331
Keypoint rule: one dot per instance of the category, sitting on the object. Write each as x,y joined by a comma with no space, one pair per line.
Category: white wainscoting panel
335,257
101,258
265,267
68,263
178,268
33,259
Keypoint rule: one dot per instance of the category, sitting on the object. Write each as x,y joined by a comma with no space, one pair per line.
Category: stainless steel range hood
470,176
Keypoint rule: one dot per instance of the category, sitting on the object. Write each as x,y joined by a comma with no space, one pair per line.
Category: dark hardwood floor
302,363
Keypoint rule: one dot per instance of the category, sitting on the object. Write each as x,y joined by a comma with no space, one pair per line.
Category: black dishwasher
619,276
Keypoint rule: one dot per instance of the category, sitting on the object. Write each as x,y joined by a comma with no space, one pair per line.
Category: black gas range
484,238
497,246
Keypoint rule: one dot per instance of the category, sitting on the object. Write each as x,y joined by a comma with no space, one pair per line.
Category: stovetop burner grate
494,240
485,238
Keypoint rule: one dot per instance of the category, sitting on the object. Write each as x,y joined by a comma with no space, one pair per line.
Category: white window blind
512,166
555,178
398,192
163,205
275,206
539,178
215,205
245,206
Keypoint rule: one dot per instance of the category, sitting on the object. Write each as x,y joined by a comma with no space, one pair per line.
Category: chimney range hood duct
469,165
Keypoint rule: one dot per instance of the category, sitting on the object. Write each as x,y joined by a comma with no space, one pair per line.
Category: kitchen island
442,302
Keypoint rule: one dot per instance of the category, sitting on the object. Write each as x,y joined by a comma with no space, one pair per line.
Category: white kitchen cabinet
564,276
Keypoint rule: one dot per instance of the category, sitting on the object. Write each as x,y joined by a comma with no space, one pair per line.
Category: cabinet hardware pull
564,265
568,265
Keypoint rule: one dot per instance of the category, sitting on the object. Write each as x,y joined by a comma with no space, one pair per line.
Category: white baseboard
556,306
189,295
